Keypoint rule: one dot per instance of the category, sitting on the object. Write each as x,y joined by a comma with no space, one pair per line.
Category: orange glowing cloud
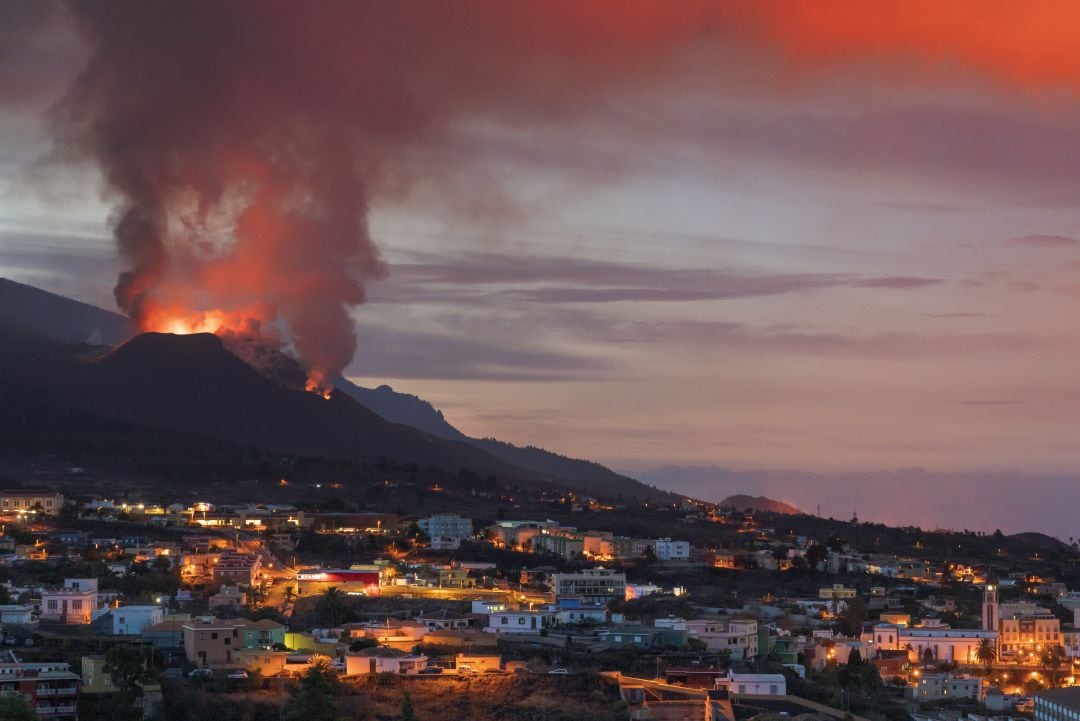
1033,44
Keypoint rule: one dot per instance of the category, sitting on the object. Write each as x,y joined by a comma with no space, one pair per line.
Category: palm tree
331,609
986,653
289,593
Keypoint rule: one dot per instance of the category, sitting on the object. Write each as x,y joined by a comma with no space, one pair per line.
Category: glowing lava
239,331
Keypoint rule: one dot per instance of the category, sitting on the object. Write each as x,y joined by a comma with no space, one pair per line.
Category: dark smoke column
236,160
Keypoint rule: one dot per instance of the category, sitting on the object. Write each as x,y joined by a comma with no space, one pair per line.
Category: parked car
431,671
238,675
200,673
559,671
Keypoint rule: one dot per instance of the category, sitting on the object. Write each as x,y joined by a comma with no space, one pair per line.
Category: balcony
54,710
46,691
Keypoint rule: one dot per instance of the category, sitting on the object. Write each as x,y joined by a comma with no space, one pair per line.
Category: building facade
52,689
37,501
211,644
133,620
75,603
1027,635
954,645
447,525
669,550
519,621
593,585
1059,704
942,686
754,684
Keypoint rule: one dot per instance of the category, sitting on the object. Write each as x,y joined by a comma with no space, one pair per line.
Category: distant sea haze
1012,502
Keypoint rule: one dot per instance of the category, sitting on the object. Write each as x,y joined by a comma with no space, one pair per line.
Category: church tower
990,608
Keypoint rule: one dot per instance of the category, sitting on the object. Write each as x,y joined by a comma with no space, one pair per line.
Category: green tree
361,643
986,653
407,709
315,698
815,554
852,618
125,665
16,708
1050,659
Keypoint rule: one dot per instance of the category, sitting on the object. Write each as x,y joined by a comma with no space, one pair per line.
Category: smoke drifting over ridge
245,140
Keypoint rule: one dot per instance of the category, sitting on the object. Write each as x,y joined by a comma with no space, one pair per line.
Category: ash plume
244,140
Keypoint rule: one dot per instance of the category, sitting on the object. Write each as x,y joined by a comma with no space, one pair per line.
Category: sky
831,241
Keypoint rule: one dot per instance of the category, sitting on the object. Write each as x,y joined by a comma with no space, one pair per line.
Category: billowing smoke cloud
244,140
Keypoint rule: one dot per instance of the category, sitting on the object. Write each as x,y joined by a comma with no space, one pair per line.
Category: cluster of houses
931,659
570,543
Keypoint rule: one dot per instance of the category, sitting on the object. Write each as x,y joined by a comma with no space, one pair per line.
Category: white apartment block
447,525
668,550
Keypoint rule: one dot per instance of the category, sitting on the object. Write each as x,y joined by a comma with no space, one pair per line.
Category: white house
518,621
488,606
938,686
669,550
754,684
74,604
571,611
133,620
739,636
384,660
15,614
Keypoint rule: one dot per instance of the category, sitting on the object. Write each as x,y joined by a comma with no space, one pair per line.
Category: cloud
1045,241
726,336
896,282
577,280
986,402
389,353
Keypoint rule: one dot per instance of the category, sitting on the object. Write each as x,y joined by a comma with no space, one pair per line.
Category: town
167,609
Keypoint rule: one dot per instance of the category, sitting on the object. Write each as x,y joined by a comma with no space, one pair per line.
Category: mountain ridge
193,383
412,410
